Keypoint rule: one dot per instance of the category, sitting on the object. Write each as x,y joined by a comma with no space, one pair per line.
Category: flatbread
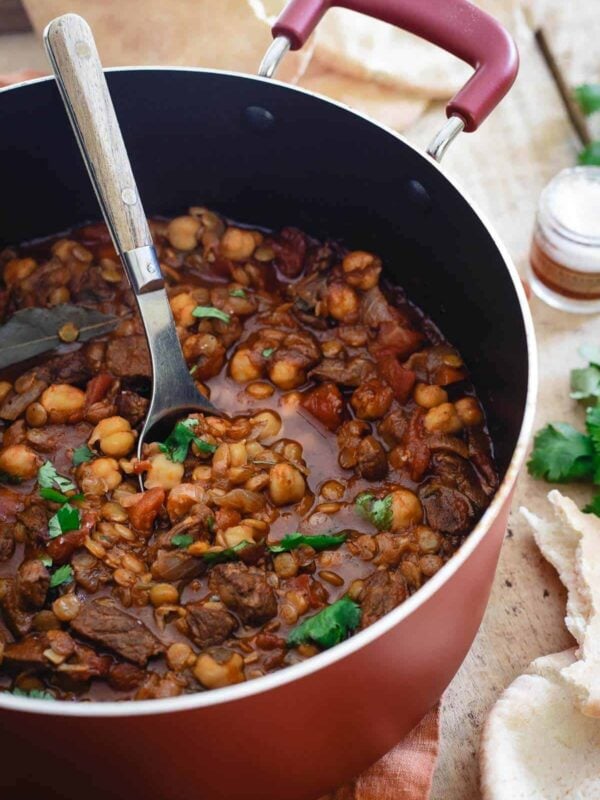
558,542
571,542
536,745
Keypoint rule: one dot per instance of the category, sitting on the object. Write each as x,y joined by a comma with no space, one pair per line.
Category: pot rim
361,639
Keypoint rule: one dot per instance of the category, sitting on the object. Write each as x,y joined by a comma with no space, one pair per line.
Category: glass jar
564,265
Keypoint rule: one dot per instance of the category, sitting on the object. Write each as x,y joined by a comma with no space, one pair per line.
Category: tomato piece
143,513
326,403
401,380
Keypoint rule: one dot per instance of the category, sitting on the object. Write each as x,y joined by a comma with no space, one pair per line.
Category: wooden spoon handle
74,58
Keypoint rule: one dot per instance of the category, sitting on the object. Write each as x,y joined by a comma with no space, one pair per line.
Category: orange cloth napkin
405,773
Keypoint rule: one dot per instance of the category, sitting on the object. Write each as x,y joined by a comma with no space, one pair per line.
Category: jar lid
570,204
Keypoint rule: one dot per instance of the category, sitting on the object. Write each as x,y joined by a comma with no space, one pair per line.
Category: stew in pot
353,462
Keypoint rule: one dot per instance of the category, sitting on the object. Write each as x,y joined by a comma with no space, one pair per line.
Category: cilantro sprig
587,96
81,455
560,452
178,442
228,554
66,519
376,511
329,627
48,478
291,541
34,694
182,540
62,575
209,312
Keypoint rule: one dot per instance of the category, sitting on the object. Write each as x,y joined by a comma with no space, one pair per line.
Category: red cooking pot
271,154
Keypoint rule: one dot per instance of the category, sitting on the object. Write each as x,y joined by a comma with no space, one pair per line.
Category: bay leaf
32,331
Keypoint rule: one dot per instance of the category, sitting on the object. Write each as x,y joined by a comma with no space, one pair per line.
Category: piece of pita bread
536,745
372,99
558,542
571,542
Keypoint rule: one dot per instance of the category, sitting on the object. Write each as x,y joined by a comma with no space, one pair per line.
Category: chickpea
285,565
429,541
430,395
106,471
286,484
238,244
362,269
332,348
285,374
237,534
430,564
342,302
443,419
36,415
58,296
469,411
238,456
182,306
406,509
17,269
115,436
62,401
219,668
182,232
163,594
268,424
5,389
163,472
66,608
179,656
242,368
19,461
372,399
113,512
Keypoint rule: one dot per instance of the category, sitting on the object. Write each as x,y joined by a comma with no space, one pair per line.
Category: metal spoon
74,58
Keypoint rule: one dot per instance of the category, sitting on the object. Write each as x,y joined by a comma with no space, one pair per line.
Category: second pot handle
454,25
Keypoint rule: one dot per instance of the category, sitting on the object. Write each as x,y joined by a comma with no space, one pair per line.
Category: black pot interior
265,154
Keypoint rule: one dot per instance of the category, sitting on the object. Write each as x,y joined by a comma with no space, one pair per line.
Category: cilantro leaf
588,97
590,155
49,478
178,442
62,575
182,540
36,694
268,352
561,453
378,512
66,519
318,542
209,312
229,554
594,506
46,560
585,383
81,455
237,293
329,627
58,497
590,353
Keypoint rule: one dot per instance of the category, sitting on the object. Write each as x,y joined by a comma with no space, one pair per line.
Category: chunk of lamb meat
382,591
245,591
102,621
70,368
7,541
128,357
33,582
452,497
28,652
89,572
349,437
132,406
344,373
18,620
207,624
175,565
15,403
371,459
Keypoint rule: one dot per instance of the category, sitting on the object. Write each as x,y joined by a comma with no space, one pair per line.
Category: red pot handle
455,25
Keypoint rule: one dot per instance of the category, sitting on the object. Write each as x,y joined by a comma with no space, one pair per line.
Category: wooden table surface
503,167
